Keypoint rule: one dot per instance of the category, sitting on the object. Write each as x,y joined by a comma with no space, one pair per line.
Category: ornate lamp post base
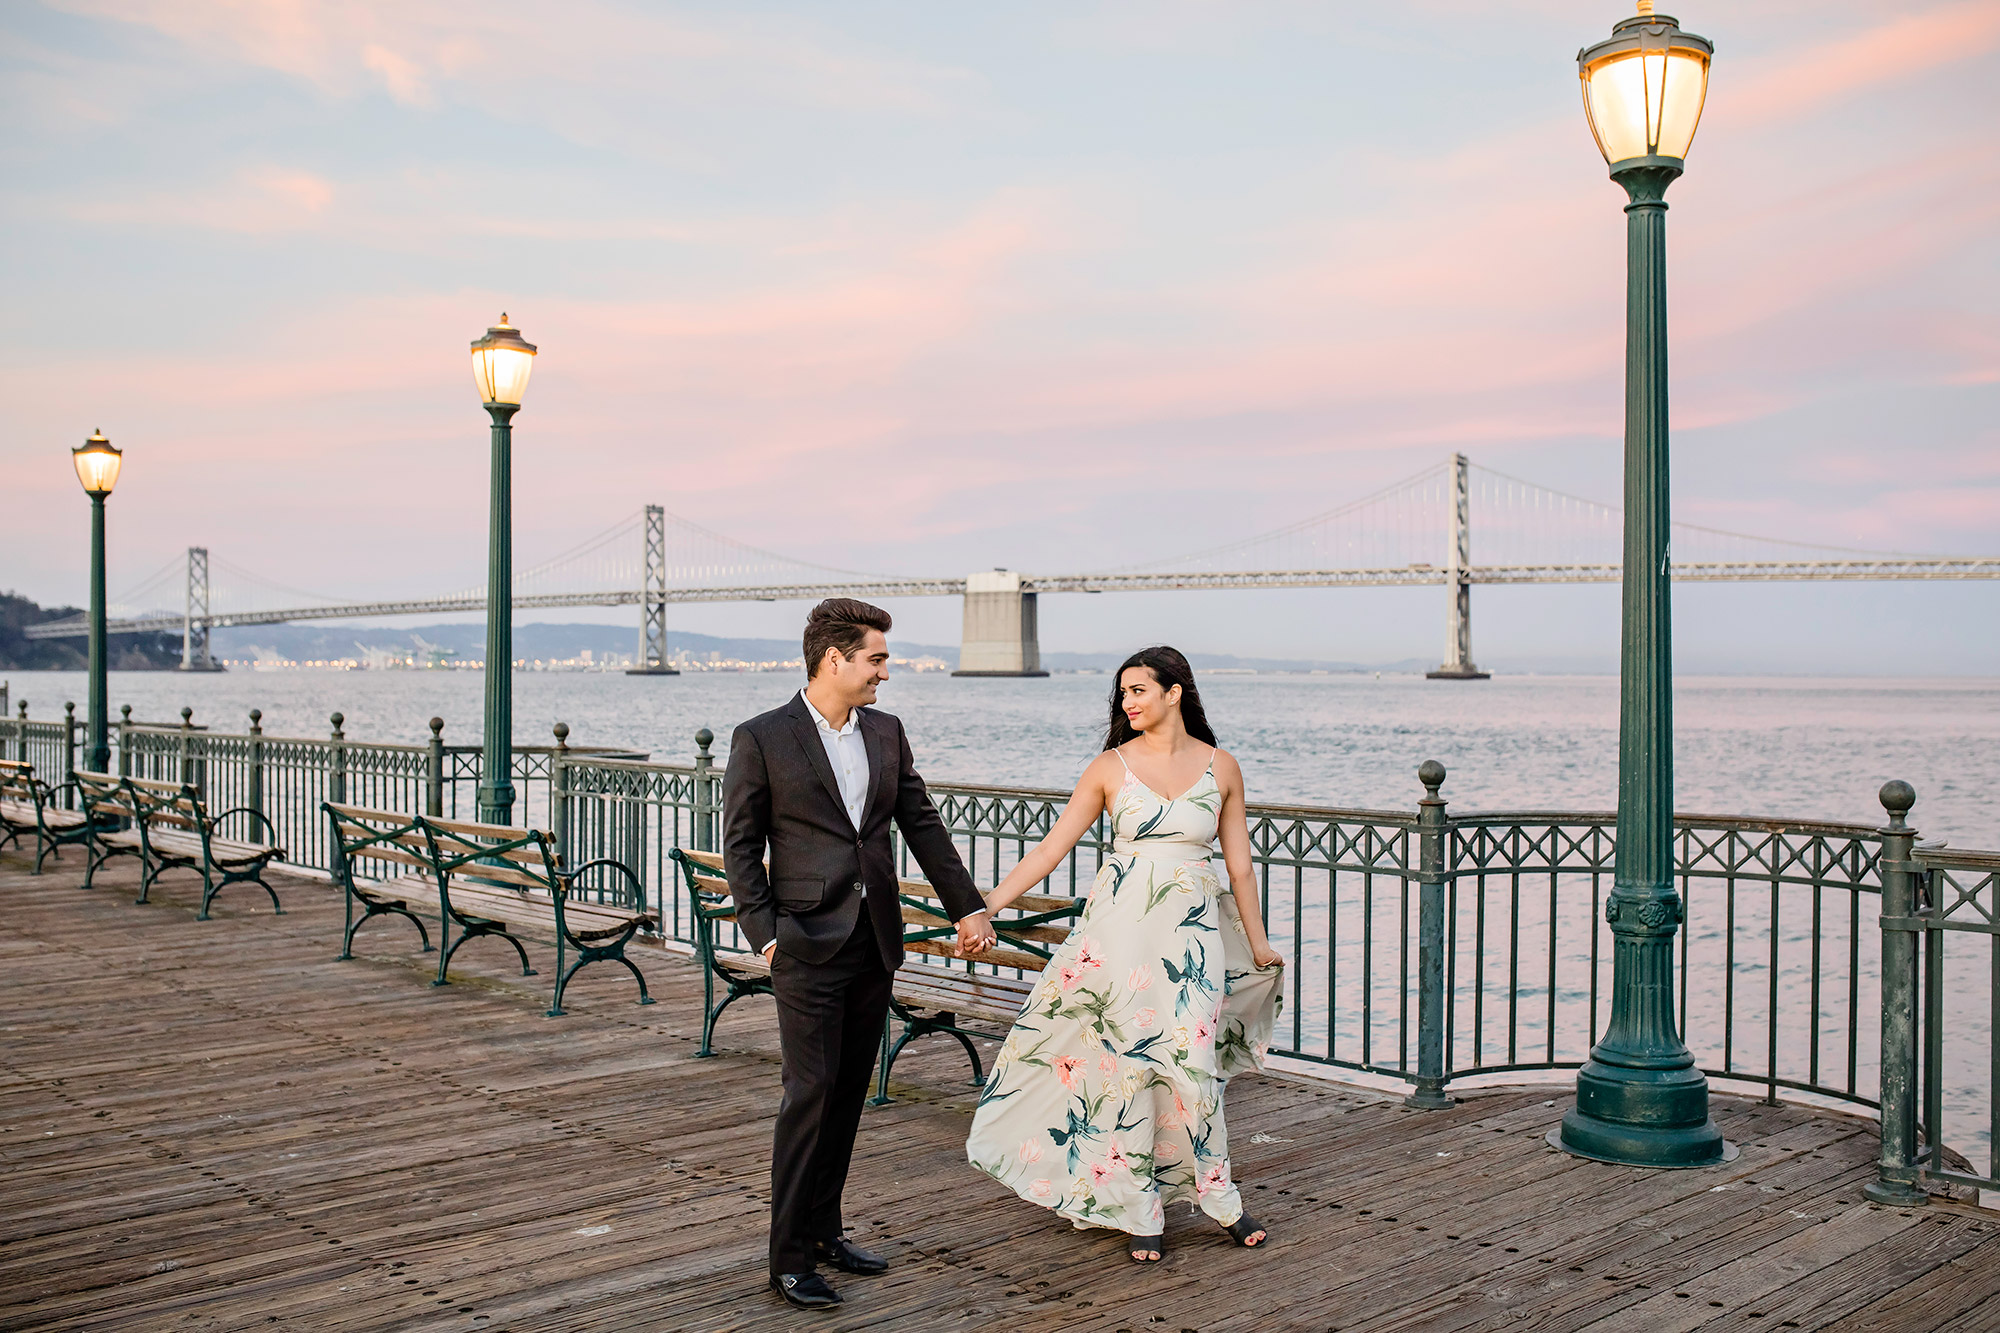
1642,1117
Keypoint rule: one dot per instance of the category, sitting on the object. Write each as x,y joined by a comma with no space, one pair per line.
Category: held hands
975,935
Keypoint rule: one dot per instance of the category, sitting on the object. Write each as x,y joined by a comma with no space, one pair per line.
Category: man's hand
975,934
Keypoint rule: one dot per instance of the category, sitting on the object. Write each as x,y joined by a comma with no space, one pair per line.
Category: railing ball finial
562,735
437,727
338,719
703,739
69,709
256,716
1897,798
1432,774
24,710
125,714
187,716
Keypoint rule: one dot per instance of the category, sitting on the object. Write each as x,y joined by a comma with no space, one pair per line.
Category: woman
1106,1100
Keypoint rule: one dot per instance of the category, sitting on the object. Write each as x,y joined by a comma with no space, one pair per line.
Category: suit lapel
807,732
878,764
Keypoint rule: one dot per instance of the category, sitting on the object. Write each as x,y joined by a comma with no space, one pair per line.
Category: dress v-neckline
1149,789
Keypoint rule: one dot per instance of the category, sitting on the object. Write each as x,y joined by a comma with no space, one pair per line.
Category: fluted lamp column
97,463
1640,1099
501,364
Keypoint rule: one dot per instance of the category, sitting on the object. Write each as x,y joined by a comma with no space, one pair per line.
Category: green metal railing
1431,947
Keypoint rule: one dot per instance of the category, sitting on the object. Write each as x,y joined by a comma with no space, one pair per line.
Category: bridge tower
194,628
1458,574
1002,635
652,658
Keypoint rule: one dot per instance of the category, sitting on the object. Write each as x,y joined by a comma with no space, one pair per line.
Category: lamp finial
1645,8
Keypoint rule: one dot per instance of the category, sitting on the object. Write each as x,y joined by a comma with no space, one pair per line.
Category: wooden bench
29,805
167,825
365,839
493,880
953,999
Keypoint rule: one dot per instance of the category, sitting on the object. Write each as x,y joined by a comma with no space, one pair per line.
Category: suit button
859,887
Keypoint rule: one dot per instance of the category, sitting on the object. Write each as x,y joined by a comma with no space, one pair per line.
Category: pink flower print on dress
1141,978
1107,1063
1031,1151
1202,1031
1099,1172
1144,1020
1066,1067
1215,1178
1116,1156
1070,976
1040,1189
1088,956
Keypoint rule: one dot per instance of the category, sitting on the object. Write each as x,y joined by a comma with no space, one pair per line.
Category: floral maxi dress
1106,1100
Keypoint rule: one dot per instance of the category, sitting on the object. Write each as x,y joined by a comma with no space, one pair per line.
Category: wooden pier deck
213,1125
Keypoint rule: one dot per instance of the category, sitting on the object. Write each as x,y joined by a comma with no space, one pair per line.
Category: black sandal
1245,1227
1143,1245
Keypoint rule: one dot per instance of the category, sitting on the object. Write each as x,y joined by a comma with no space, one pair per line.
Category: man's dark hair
843,623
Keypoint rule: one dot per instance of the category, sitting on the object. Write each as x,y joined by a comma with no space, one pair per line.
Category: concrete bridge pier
1002,635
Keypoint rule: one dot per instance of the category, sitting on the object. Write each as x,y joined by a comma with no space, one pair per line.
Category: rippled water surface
1799,747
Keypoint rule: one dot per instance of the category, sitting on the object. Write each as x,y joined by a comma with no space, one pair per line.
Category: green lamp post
501,362
1640,1099
97,462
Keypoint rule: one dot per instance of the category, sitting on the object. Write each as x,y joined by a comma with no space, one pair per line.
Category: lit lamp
97,461
501,364
1640,1099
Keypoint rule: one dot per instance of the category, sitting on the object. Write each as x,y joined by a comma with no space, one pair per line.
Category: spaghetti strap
1119,751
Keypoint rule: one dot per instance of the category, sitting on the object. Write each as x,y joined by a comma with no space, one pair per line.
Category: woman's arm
1235,834
1086,803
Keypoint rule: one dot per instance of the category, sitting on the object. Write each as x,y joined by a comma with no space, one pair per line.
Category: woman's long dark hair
1169,668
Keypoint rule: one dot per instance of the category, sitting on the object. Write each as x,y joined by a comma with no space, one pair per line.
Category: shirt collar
853,718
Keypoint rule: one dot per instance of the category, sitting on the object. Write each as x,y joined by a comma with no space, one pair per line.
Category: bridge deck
215,1126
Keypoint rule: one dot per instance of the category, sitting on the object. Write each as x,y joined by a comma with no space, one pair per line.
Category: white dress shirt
848,754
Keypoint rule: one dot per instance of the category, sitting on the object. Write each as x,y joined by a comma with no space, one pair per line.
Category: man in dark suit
817,783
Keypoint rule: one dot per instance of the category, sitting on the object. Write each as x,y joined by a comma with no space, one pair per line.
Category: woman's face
1146,705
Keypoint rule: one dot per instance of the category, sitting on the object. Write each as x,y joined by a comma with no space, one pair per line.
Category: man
817,782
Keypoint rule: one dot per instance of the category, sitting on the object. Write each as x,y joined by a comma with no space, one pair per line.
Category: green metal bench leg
888,1061
208,892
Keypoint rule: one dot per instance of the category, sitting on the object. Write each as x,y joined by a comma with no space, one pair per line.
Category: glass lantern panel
97,469
1615,95
501,373
1686,86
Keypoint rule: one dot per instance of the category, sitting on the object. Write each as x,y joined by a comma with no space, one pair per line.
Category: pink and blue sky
931,288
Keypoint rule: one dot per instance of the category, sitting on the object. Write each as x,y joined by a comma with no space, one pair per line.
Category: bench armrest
636,899
270,829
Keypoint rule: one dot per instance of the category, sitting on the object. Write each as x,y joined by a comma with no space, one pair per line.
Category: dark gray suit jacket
779,793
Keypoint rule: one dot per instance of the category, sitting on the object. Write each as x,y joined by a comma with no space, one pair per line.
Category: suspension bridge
1417,532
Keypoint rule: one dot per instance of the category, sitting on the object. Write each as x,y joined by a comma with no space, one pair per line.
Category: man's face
856,677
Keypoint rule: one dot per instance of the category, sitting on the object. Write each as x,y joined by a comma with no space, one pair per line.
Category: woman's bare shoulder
1227,770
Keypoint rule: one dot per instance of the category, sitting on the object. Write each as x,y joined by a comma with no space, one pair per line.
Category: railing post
1896,1179
336,773
69,753
1432,833
434,772
559,793
254,798
21,734
187,763
124,751
704,791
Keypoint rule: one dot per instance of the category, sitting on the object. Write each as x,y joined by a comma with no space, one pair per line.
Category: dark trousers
830,1018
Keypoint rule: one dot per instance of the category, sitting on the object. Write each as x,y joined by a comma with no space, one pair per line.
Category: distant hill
128,652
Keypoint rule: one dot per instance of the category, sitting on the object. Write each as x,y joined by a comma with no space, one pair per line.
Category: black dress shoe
849,1258
808,1291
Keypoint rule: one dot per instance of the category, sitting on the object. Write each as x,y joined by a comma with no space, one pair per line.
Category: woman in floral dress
1106,1100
